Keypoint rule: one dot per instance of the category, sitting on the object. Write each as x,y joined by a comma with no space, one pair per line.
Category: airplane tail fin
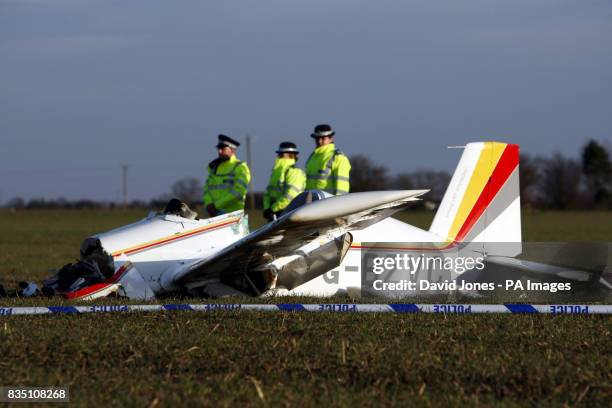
482,201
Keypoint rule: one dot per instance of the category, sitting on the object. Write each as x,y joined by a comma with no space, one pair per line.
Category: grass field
224,358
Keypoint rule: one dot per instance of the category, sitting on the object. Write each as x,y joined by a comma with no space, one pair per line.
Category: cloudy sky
86,86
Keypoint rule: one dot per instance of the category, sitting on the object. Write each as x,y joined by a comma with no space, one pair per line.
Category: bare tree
188,190
598,173
402,181
560,182
529,169
366,175
435,181
15,203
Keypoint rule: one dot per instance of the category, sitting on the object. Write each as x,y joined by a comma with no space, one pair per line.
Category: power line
250,163
124,170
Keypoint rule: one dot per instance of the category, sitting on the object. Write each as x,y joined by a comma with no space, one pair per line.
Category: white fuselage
161,244
348,274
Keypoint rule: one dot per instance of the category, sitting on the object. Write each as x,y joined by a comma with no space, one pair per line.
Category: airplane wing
586,264
323,220
575,261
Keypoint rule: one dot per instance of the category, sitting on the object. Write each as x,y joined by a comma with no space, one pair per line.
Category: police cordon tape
517,308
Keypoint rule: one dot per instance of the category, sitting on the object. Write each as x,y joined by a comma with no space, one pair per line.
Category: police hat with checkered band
226,141
287,147
322,131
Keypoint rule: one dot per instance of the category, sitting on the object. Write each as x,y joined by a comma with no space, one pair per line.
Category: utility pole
124,168
250,163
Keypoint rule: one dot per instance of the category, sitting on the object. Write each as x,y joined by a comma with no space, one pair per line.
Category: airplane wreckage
318,246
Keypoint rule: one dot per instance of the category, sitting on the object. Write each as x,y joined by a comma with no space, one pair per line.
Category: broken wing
324,221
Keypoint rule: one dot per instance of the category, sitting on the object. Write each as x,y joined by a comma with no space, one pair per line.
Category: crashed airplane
314,248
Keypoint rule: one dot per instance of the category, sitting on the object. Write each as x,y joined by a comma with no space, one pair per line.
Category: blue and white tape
323,307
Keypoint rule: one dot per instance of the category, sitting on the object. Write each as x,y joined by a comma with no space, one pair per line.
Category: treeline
547,182
556,182
560,183
17,203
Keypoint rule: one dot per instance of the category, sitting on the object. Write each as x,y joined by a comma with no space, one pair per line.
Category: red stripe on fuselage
89,290
172,239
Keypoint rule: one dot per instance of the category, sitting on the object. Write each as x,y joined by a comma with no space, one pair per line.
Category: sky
86,86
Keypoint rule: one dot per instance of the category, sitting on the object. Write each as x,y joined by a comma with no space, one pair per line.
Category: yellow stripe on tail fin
482,201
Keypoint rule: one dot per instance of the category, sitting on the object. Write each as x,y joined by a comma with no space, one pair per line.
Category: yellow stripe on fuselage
489,156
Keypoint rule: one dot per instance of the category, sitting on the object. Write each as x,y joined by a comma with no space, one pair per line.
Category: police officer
286,181
228,179
327,168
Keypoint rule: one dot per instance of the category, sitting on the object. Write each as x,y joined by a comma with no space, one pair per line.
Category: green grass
312,359
292,358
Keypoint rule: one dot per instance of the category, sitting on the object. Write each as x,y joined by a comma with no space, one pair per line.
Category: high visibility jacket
328,169
227,184
286,182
